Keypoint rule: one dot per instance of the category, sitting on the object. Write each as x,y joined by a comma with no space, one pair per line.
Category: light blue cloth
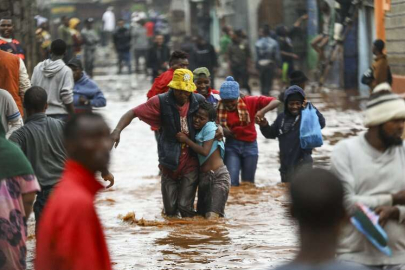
207,133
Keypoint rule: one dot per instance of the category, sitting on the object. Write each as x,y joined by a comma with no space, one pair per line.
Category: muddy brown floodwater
257,232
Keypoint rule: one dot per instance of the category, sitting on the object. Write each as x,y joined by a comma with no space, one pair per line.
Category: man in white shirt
108,26
371,167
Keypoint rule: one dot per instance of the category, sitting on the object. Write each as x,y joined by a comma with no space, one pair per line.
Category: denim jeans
124,57
243,156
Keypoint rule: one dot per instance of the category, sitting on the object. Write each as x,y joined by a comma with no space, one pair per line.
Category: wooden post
379,13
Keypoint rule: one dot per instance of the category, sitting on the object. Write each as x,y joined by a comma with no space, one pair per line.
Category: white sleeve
24,78
342,167
14,125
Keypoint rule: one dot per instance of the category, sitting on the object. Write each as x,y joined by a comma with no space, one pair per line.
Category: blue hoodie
88,88
287,129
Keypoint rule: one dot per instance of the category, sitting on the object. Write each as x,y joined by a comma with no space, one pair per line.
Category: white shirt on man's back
370,177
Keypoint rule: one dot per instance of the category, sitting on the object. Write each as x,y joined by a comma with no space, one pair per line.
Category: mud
257,231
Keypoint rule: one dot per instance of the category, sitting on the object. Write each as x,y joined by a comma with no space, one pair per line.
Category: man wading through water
172,113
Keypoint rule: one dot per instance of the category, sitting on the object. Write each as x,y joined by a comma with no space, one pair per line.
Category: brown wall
271,13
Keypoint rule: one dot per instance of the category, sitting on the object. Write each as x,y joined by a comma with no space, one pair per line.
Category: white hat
383,107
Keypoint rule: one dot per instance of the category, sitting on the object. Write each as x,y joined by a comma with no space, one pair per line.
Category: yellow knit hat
183,80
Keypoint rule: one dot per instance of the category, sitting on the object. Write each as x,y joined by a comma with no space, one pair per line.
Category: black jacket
204,56
122,40
287,129
157,56
169,148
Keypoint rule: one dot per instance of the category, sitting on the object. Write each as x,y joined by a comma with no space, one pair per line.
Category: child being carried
214,180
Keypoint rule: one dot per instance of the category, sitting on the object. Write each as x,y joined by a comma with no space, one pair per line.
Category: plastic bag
310,129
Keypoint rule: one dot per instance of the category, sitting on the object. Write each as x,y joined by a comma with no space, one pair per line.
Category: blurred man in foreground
70,234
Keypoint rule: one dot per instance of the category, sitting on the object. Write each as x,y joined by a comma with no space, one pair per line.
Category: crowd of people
207,143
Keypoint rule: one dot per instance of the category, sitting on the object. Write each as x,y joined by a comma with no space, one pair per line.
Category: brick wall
22,13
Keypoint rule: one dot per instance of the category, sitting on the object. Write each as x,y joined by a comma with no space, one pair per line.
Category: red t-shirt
247,133
159,86
149,112
150,26
70,236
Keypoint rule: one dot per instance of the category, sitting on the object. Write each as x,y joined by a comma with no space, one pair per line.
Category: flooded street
257,232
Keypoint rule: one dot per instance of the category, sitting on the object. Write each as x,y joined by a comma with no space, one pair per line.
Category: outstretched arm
271,106
201,150
125,120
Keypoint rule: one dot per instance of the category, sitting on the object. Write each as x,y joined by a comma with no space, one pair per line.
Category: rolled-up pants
179,194
213,190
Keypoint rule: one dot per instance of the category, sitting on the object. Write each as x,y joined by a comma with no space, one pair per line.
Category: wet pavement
257,232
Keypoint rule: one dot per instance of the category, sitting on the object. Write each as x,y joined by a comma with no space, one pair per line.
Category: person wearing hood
86,93
237,116
57,80
287,129
76,36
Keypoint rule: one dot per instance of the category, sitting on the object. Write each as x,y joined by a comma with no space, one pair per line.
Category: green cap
201,71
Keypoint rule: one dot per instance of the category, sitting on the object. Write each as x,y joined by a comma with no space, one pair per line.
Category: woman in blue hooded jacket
86,93
287,129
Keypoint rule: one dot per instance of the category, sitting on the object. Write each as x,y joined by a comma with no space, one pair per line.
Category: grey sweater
57,80
370,177
41,140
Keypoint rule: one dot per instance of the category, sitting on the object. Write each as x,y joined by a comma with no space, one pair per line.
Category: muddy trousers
179,194
213,190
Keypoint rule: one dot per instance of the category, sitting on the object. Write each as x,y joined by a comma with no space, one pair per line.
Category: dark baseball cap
75,63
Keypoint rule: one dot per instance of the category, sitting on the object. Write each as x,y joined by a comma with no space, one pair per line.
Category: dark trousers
213,190
42,198
266,79
124,57
89,56
241,75
138,54
179,194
